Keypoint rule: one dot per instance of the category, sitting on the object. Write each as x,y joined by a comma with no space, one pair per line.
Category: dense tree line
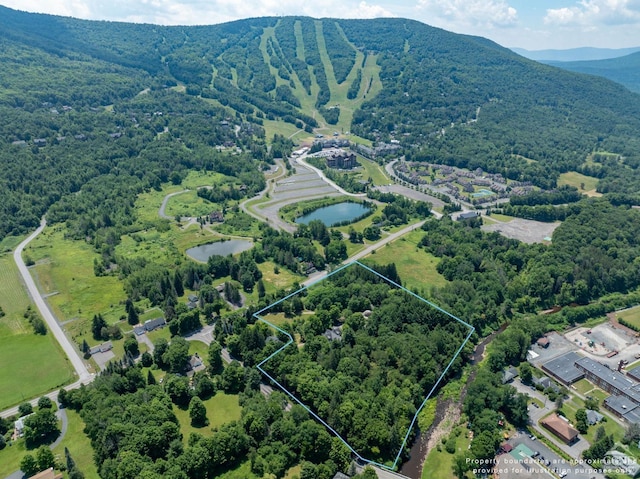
368,384
341,53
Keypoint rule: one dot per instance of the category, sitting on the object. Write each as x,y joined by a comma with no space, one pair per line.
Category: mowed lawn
221,409
417,268
79,446
631,315
31,364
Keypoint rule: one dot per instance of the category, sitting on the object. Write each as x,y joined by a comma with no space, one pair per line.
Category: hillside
624,70
575,54
444,97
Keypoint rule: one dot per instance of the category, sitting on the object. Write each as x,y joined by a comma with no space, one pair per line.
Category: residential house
47,474
593,417
334,333
509,375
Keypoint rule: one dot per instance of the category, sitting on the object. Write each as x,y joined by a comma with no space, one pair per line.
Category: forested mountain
575,54
74,114
624,70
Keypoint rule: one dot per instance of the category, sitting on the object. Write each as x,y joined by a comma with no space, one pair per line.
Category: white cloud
595,12
197,12
461,14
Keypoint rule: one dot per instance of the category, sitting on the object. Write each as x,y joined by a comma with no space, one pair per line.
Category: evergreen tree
97,325
178,284
132,314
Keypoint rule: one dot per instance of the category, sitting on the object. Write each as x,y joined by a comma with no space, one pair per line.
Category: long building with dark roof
563,368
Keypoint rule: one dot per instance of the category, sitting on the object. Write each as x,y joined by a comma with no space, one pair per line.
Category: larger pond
221,248
335,214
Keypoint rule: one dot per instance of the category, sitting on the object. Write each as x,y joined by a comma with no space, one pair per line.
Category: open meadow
32,364
416,267
631,315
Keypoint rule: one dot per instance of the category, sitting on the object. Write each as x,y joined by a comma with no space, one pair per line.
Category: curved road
163,206
321,174
72,352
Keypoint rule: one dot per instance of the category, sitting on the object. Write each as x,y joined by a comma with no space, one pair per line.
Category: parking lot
546,461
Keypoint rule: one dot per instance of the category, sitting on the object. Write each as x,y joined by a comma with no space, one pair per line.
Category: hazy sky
531,24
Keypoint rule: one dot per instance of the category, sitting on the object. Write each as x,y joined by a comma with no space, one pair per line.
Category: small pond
335,214
221,248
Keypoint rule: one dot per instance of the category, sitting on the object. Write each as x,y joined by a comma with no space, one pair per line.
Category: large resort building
338,158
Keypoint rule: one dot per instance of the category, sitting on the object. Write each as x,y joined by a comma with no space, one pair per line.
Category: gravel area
527,231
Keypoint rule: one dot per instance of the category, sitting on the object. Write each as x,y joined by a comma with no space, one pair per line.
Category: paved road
164,204
320,173
70,350
361,254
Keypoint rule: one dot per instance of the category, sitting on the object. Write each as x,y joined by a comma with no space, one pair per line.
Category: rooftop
621,405
563,367
560,427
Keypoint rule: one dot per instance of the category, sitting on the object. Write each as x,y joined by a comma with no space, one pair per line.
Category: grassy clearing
632,315
66,267
373,172
13,298
243,471
293,472
189,204
221,409
439,464
502,218
10,458
417,268
9,243
582,182
79,446
272,127
283,280
32,365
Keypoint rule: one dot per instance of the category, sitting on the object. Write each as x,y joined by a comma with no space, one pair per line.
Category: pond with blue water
221,248
336,214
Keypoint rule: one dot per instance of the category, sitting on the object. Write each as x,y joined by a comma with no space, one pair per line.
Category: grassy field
32,365
221,409
439,464
243,471
189,204
417,268
21,350
65,267
75,440
79,446
611,427
373,172
632,315
585,184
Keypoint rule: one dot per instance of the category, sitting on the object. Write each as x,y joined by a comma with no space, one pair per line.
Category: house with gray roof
593,417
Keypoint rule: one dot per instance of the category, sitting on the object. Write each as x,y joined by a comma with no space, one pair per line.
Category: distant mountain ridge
443,97
624,70
575,54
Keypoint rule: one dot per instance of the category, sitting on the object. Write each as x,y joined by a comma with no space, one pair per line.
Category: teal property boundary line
258,316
